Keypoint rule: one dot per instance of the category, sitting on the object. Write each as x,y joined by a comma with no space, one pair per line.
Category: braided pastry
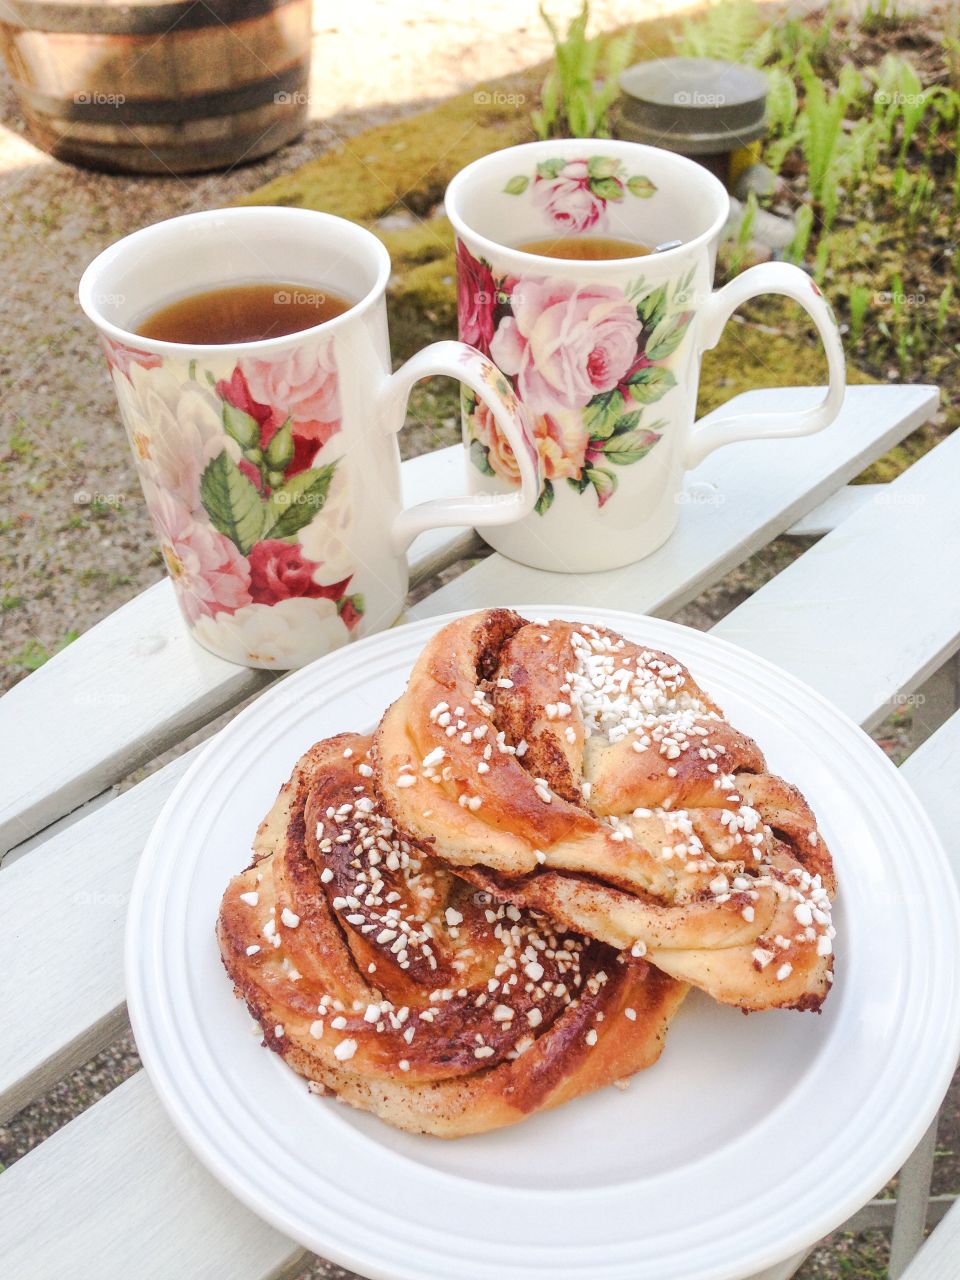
566,769
382,977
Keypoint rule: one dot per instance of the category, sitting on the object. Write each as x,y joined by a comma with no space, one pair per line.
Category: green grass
865,128
850,1258
20,444
33,654
581,86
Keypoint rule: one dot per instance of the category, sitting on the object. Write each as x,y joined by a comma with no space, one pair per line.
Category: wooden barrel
159,86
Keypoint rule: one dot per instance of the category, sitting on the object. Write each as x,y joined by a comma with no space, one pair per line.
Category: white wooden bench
863,616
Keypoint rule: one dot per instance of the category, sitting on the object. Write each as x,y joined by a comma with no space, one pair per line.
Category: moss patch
409,162
749,356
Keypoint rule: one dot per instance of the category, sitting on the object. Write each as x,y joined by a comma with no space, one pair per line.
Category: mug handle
790,282
468,365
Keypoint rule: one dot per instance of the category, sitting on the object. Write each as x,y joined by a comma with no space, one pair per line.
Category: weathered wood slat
835,509
126,690
937,1260
913,1191
878,1215
932,772
872,610
116,1193
62,913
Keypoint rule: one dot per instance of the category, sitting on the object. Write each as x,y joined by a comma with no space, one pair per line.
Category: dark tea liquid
243,313
585,248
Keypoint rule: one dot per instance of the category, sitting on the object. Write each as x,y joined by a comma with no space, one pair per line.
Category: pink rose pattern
586,360
304,382
120,356
476,297
574,194
568,199
209,574
564,343
561,444
280,571
232,542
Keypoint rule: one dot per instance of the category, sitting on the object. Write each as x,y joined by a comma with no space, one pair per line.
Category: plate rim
166,1083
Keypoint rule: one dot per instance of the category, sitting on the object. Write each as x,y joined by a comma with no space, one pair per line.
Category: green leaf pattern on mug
650,383
550,168
640,186
545,501
668,335
279,452
232,502
240,426
291,507
604,482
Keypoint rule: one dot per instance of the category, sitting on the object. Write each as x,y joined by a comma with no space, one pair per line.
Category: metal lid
696,105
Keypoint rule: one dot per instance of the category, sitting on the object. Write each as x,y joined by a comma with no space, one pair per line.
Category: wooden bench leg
936,700
913,1193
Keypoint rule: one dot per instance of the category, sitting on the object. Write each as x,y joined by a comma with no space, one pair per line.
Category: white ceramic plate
750,1139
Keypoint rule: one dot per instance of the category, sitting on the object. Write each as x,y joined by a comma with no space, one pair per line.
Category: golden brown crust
378,974
563,768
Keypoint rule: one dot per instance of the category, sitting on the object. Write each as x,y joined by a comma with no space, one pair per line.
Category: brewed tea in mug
242,313
585,248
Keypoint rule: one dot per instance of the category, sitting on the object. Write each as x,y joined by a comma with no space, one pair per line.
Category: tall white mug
271,469
605,355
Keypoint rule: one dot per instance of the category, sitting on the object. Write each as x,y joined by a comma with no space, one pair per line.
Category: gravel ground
76,539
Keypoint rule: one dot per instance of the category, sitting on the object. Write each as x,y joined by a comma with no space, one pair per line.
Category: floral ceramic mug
605,355
271,469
